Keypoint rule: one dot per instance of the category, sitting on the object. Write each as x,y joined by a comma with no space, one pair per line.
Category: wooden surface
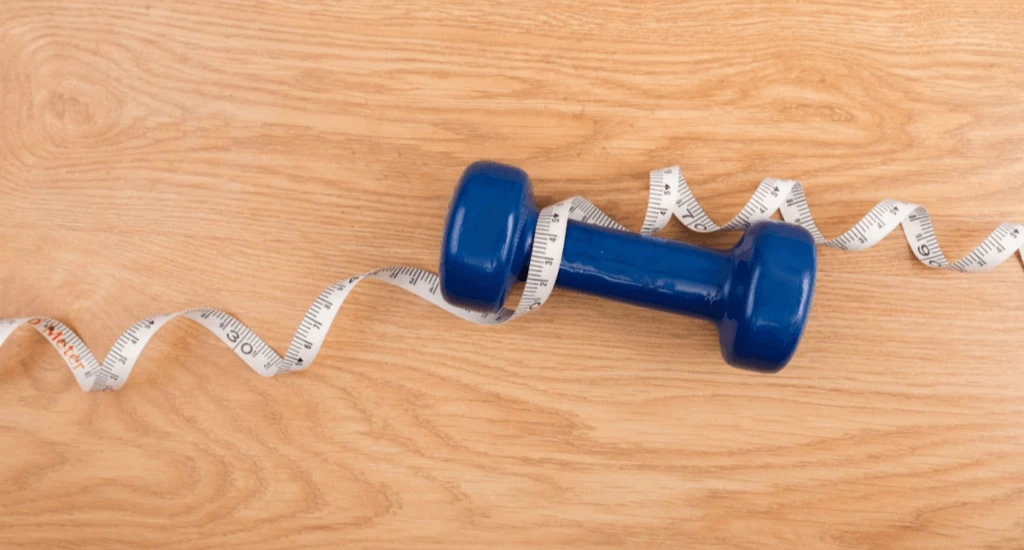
156,156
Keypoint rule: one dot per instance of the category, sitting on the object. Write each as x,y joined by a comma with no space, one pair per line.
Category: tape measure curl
669,196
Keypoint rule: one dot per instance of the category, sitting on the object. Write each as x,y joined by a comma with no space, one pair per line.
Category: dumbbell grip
646,271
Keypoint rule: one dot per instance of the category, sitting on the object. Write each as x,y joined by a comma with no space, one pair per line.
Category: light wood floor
156,156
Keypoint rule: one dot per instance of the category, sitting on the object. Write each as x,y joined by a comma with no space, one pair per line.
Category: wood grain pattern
142,140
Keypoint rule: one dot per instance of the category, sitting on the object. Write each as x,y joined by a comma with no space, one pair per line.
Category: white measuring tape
669,196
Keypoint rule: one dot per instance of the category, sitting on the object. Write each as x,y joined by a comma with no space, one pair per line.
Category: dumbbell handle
647,271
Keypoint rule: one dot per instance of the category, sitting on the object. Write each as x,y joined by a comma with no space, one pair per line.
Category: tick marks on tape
555,244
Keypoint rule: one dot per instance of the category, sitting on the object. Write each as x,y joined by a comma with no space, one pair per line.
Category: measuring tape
669,196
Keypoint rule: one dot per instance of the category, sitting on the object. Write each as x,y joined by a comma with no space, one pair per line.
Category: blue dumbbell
758,293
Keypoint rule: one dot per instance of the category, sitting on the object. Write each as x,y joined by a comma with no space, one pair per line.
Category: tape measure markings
668,196
787,197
